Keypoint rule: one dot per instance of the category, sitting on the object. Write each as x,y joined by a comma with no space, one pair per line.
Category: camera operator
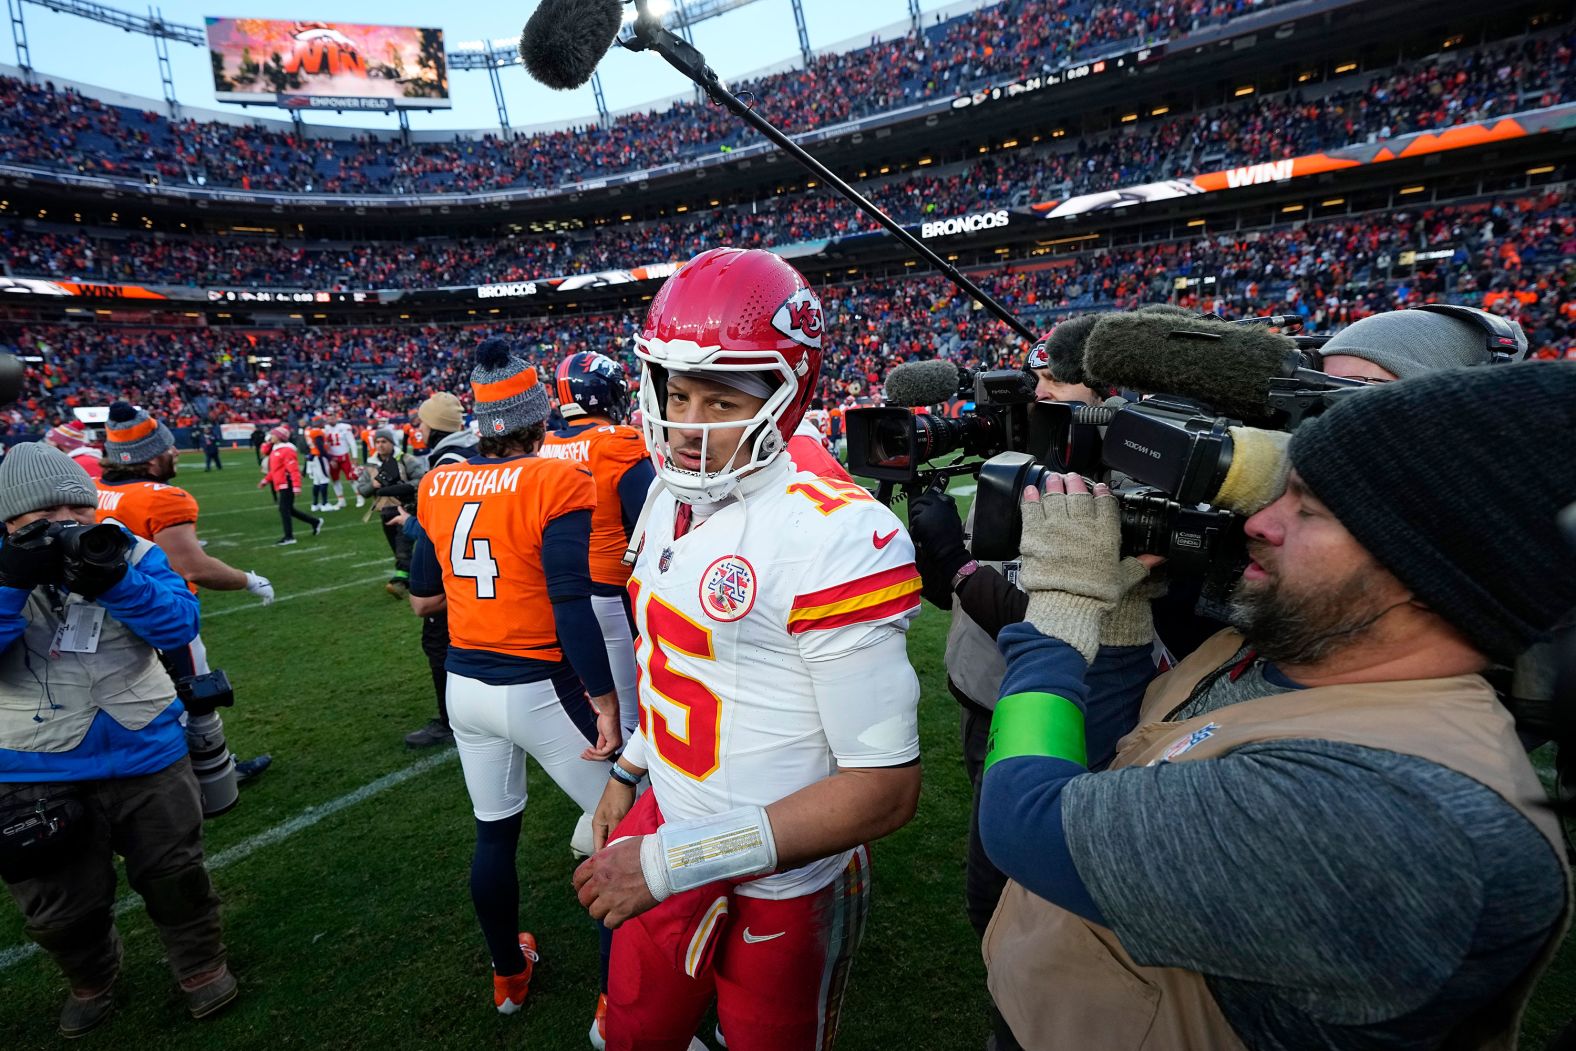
974,665
135,492
1324,831
92,752
987,591
390,477
1401,344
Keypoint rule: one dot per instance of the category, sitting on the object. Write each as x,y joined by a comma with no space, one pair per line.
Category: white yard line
293,595
267,838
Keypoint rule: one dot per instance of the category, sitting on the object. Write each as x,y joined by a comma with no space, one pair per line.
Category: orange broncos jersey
607,452
485,520
145,507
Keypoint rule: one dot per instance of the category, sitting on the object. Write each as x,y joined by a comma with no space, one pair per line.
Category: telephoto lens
212,763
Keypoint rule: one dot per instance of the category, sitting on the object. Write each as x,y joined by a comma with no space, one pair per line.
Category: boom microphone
917,383
564,40
1227,367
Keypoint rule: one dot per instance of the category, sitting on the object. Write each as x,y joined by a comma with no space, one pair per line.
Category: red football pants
341,467
778,969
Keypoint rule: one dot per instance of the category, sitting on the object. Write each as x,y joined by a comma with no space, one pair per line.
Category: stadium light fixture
1542,169
886,169
1345,67
1160,111
1333,202
1292,208
1195,222
681,209
1058,133
1010,144
1412,189
1246,89
625,218
1304,77
1128,118
812,184
925,162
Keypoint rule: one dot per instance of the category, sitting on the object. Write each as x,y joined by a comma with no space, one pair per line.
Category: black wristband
618,773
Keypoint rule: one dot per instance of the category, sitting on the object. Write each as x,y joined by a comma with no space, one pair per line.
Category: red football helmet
731,310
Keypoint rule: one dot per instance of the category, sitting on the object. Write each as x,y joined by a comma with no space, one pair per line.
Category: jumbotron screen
327,65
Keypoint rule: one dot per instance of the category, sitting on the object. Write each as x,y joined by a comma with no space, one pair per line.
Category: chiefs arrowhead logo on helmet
800,318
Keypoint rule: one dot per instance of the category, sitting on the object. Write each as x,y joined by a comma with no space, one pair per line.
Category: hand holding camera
93,558
88,560
1071,552
937,530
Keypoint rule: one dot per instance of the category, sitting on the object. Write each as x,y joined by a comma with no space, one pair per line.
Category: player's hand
609,735
400,519
617,800
610,884
261,587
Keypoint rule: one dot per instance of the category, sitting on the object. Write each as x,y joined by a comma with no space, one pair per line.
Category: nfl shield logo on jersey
727,589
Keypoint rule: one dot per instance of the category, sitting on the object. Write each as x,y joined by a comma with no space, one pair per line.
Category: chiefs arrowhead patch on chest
728,588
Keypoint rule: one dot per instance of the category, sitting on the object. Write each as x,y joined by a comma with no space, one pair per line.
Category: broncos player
503,546
779,721
592,398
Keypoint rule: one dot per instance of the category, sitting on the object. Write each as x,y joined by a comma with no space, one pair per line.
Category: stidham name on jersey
580,452
474,483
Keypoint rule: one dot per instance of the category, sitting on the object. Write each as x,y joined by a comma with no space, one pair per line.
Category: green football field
344,870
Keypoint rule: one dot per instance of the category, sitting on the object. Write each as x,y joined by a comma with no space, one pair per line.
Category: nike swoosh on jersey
756,939
882,541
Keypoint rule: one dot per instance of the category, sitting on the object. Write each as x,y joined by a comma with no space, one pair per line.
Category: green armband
1036,724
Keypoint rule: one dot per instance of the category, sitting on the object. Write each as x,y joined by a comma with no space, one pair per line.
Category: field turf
352,928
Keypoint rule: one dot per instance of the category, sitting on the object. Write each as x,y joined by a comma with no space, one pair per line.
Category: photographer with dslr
1324,831
92,752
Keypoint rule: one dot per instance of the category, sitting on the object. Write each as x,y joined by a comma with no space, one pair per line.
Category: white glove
260,587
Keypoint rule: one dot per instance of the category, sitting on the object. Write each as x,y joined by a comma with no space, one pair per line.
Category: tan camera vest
1063,982
47,705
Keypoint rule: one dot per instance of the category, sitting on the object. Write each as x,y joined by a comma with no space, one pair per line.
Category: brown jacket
1063,982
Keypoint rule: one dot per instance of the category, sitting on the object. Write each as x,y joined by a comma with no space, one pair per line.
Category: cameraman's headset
1506,341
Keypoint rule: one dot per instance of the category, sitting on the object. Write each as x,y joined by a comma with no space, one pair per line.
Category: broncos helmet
592,384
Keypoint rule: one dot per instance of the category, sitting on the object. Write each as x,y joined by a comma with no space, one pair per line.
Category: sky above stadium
758,35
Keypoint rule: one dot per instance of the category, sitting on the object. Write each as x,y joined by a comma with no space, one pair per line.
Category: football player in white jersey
339,445
778,708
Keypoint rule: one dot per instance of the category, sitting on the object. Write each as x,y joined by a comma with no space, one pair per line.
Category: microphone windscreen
1226,366
1064,348
564,40
922,383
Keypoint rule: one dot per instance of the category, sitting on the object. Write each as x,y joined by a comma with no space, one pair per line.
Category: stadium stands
1470,86
1513,256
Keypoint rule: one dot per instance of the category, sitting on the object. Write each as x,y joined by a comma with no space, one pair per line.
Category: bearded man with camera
1323,831
93,755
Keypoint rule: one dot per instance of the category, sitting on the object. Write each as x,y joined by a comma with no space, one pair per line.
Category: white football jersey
733,615
339,439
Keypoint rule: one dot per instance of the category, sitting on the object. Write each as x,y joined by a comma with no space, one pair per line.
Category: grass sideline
357,931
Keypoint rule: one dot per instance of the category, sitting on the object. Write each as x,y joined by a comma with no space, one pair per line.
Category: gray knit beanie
132,436
1453,482
1412,342
384,433
35,476
505,391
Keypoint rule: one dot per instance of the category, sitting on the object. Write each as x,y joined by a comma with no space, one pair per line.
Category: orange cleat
509,992
599,1024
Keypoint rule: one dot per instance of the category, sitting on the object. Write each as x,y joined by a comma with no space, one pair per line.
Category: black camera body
96,545
202,694
894,444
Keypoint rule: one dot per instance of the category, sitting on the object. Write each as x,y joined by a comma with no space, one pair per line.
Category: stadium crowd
47,126
1471,87
1514,256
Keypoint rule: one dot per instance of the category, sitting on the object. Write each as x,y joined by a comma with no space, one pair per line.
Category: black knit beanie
1452,481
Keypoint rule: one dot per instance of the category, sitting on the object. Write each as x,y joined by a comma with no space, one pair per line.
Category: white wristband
683,855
